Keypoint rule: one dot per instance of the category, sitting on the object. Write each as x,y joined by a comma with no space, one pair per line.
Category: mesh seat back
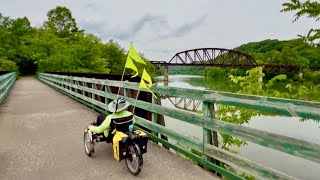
122,124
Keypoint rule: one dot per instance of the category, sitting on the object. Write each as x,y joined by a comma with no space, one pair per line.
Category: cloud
160,28
156,26
91,6
186,28
141,24
98,26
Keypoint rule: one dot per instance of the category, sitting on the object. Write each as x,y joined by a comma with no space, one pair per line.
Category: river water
288,126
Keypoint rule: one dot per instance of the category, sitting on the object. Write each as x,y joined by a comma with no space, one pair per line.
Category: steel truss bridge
218,57
185,103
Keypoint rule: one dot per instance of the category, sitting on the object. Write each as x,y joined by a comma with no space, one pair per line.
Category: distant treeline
57,46
291,52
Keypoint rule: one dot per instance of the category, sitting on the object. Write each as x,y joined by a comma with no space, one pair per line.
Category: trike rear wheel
134,159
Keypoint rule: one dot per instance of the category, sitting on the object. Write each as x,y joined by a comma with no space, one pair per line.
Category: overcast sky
162,28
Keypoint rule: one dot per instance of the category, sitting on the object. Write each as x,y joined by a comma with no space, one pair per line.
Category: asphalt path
41,137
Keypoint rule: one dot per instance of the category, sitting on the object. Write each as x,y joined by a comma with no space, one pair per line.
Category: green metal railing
6,82
76,88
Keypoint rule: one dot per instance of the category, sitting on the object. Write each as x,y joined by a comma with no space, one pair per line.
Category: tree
12,33
115,55
4,21
58,46
6,65
61,22
310,9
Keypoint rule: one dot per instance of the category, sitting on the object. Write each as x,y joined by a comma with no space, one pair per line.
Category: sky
159,29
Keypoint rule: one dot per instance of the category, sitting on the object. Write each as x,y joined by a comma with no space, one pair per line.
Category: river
288,126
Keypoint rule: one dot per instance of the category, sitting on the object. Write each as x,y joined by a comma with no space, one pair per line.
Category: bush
7,65
313,76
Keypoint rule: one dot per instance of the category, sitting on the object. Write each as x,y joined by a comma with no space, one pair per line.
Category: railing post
70,85
154,115
84,84
78,86
207,137
69,82
210,137
127,93
93,95
65,81
106,100
160,121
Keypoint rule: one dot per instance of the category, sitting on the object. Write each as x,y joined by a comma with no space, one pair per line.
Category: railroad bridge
217,57
42,121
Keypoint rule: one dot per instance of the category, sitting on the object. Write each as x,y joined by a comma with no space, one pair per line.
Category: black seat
121,124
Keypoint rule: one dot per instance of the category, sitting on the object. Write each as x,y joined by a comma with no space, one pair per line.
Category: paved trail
41,138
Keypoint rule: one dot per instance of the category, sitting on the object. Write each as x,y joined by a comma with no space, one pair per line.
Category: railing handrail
281,106
6,82
288,145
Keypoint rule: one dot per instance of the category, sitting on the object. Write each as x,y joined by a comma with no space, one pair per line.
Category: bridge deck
41,138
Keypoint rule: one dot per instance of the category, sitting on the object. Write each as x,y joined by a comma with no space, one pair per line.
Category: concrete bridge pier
166,75
260,78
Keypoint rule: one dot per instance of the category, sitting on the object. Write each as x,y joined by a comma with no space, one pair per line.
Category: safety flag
130,65
146,77
133,56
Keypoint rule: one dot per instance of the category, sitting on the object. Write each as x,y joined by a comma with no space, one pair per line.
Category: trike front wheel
88,144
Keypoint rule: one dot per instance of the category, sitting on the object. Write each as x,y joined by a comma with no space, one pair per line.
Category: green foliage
12,32
213,72
291,52
78,53
188,70
6,65
297,91
58,46
310,9
252,83
113,53
61,22
312,76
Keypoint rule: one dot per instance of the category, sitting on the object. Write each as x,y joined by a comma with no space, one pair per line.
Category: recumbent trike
127,144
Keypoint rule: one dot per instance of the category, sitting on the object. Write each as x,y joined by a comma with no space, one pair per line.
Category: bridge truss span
186,103
213,57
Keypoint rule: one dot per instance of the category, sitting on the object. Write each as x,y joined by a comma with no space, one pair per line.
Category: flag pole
124,69
135,103
123,74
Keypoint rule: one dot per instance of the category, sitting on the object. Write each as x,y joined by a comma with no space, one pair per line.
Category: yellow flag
145,76
144,86
134,55
129,64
